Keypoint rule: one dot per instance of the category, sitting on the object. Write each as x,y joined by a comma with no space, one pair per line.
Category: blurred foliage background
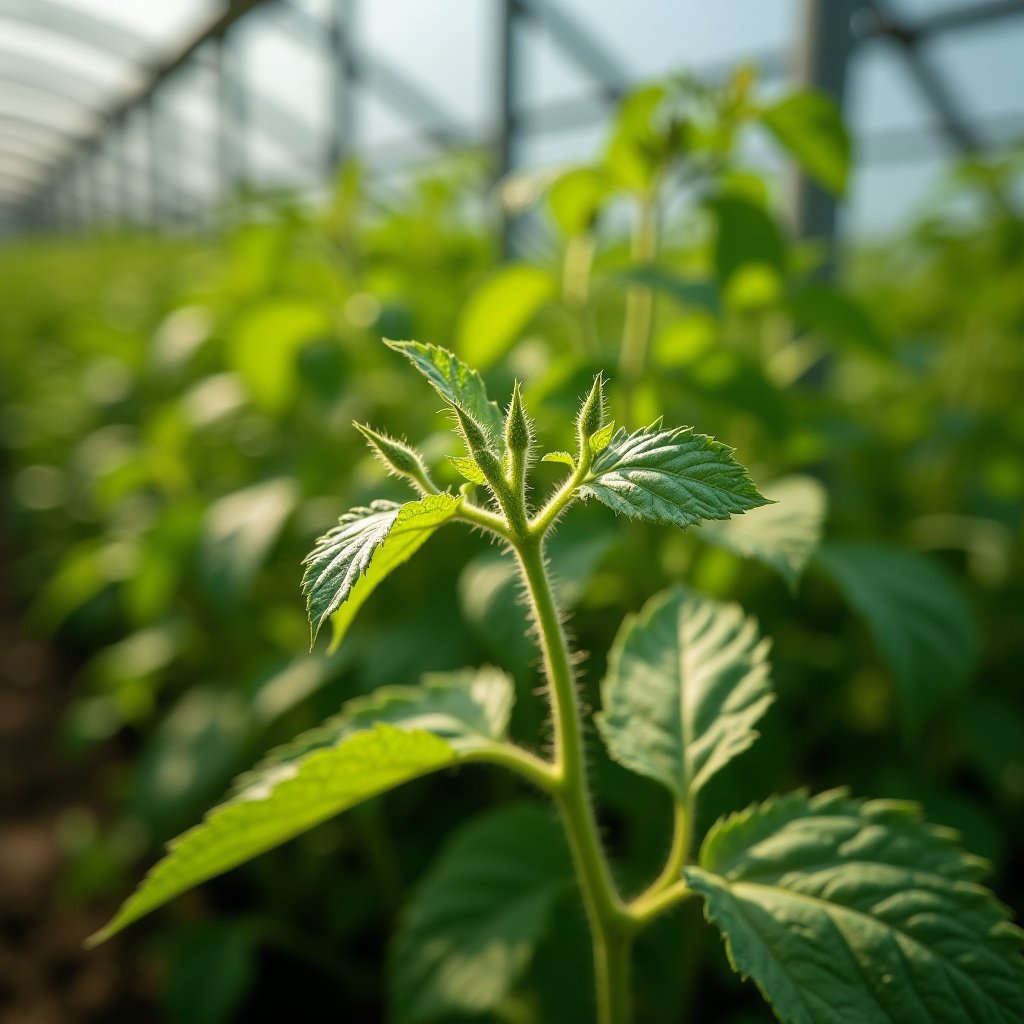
176,429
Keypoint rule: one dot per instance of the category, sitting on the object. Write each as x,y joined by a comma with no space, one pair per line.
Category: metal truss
51,160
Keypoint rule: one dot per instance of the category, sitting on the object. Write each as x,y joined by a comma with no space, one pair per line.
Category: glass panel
444,48
984,68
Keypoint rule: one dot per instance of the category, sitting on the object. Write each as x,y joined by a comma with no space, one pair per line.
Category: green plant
839,909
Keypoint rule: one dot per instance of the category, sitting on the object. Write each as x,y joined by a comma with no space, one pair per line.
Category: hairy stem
611,927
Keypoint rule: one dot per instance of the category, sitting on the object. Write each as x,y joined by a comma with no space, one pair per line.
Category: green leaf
700,294
920,622
638,148
212,971
186,762
599,441
264,344
687,680
830,312
670,476
300,796
560,457
470,929
783,536
467,467
576,199
349,562
746,236
469,709
810,126
845,911
239,531
454,381
499,309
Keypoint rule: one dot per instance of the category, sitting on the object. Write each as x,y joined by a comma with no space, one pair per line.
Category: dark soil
46,976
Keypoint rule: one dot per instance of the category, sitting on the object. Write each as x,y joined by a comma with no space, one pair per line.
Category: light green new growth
839,910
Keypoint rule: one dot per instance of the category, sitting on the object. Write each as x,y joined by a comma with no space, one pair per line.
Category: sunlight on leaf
672,476
687,681
349,562
848,910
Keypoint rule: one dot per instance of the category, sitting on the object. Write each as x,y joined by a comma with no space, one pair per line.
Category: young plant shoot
839,909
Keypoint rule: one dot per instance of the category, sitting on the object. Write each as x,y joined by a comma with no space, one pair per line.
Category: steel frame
833,31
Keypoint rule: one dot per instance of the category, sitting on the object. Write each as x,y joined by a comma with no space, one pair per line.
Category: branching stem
613,923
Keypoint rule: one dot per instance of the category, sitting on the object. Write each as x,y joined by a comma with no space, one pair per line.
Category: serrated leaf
810,126
687,681
454,381
282,806
670,476
499,309
564,457
783,536
919,619
469,931
468,468
846,911
469,709
349,562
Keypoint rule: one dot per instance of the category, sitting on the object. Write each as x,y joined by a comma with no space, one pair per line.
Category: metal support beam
160,72
509,65
155,156
389,84
341,34
232,116
955,125
825,45
980,12
578,44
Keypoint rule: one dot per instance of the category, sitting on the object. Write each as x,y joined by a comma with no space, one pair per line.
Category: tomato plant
176,425
824,901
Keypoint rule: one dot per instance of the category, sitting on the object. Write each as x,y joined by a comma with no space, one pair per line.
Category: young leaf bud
478,444
591,414
398,457
517,427
476,440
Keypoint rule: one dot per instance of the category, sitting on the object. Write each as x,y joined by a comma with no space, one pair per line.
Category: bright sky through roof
445,48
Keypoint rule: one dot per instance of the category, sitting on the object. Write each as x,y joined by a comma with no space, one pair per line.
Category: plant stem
610,925
677,853
636,328
576,271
